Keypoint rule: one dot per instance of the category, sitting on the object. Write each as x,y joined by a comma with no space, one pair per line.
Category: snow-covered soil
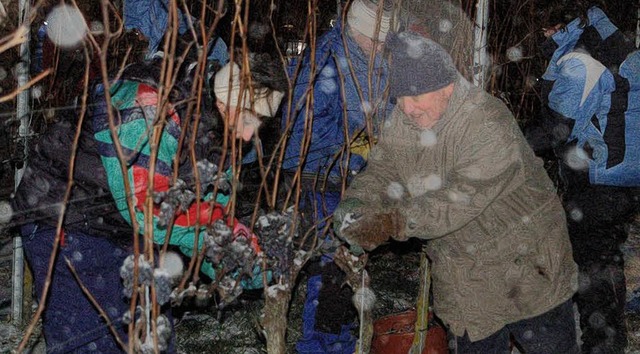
236,330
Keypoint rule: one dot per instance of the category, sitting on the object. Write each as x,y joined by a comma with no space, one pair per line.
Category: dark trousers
71,324
552,332
598,218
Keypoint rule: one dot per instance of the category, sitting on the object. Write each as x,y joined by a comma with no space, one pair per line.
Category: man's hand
372,229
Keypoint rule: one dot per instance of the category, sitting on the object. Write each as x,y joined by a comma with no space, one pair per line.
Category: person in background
453,168
591,96
329,137
97,233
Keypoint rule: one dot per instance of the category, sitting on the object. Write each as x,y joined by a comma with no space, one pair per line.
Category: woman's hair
268,78
267,71
553,12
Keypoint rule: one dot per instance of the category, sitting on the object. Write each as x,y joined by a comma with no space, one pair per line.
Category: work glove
347,211
367,229
222,250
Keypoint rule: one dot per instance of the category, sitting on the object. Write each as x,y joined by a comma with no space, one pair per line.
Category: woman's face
244,122
550,31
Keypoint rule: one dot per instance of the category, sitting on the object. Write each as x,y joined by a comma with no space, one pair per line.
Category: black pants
598,218
552,332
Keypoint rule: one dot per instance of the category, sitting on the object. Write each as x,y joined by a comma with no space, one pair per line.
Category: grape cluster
223,248
229,290
163,284
177,196
230,253
163,333
276,234
216,238
145,273
180,197
209,176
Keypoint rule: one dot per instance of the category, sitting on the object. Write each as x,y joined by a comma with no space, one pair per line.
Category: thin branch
20,89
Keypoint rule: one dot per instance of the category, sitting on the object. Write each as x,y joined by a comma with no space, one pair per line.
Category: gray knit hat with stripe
418,65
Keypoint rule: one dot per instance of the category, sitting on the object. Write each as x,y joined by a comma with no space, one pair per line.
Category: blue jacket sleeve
324,121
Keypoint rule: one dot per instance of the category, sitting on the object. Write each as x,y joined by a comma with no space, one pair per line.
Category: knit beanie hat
265,101
418,65
363,16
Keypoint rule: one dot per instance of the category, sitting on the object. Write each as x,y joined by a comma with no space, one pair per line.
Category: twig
20,89
357,278
422,310
16,38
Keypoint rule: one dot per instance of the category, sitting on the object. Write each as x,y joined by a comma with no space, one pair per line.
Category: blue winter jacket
340,89
595,73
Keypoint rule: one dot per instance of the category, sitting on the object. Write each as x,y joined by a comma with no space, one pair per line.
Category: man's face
426,109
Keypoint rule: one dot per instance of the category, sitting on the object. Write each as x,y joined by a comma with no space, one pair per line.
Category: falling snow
415,48
259,30
36,92
528,335
433,182
428,138
531,81
66,26
395,190
344,63
514,54
458,197
328,86
415,186
173,264
328,72
96,27
6,212
419,185
366,107
445,25
364,299
576,214
577,159
471,249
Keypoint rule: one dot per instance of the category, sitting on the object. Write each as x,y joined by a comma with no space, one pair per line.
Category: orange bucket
393,334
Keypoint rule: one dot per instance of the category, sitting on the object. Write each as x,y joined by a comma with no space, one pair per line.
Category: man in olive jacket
453,168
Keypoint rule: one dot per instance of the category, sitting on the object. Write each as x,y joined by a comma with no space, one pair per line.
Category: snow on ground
395,280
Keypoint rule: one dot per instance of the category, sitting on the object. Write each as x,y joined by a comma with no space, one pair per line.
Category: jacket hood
567,38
